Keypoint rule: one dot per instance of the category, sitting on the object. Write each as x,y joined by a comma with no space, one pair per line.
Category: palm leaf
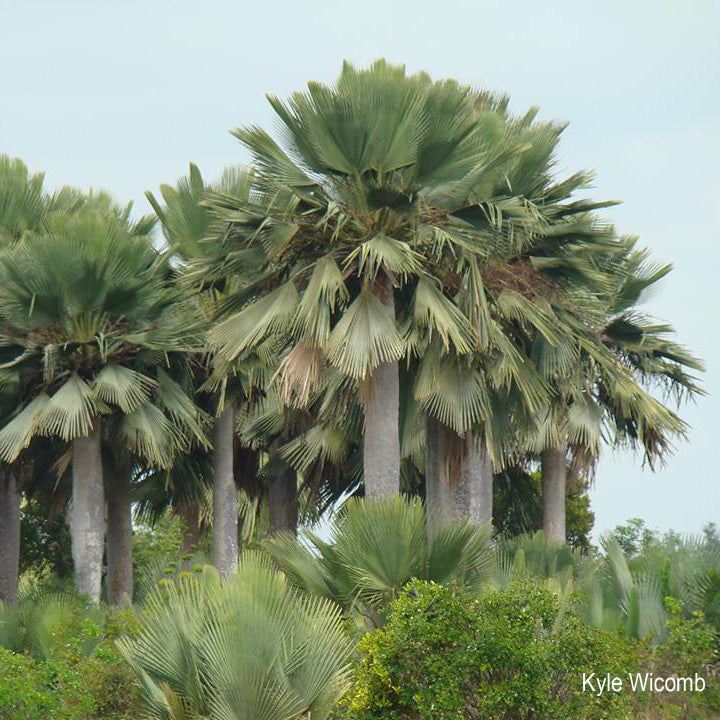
365,337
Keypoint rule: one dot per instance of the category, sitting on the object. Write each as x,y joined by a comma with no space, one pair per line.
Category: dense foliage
375,549
59,661
401,293
519,653
246,648
508,654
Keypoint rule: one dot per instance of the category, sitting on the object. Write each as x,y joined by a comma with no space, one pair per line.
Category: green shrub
690,648
58,660
32,690
512,653
246,647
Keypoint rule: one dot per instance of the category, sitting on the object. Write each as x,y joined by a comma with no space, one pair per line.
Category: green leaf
19,432
435,312
70,412
248,328
121,386
365,337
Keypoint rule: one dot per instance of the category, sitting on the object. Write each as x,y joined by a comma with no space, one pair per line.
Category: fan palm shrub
375,549
247,648
91,321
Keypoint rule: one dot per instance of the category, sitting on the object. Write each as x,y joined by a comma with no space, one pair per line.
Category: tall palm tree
526,267
24,208
382,179
189,229
89,314
605,394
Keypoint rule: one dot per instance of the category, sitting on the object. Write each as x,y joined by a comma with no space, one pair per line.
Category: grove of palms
398,287
397,304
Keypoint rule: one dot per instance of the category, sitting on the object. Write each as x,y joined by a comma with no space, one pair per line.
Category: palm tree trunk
381,443
191,528
119,538
9,535
225,501
554,479
283,502
479,471
458,478
439,502
87,517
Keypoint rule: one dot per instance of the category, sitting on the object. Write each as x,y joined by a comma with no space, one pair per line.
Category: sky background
122,95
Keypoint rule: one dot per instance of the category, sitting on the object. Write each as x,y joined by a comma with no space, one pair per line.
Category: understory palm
375,549
248,648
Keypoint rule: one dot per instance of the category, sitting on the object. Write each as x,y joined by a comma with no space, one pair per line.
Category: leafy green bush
32,690
67,686
691,648
58,660
515,653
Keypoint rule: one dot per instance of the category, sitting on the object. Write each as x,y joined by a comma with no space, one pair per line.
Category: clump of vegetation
513,653
375,549
59,661
246,647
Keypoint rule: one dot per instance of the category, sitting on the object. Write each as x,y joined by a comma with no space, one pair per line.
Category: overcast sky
123,94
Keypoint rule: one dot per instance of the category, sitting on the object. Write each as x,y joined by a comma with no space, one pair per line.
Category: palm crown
89,321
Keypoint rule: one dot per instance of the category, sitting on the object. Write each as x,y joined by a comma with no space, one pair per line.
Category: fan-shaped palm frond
375,549
248,647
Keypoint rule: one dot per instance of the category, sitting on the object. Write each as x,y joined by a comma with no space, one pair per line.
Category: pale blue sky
122,95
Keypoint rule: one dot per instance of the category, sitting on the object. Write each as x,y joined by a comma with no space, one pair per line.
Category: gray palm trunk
9,534
225,501
458,478
87,516
119,537
283,502
381,442
554,480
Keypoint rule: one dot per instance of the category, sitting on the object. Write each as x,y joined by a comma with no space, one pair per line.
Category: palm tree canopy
24,203
429,192
89,322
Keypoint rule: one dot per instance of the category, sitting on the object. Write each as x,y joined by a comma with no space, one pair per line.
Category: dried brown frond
299,374
519,276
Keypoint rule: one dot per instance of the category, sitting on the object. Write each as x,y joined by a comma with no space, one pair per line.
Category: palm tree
383,179
89,314
248,647
375,549
188,227
604,393
24,208
533,273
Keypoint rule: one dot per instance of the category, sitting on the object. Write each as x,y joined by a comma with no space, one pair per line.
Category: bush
690,648
58,661
31,690
511,653
245,647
